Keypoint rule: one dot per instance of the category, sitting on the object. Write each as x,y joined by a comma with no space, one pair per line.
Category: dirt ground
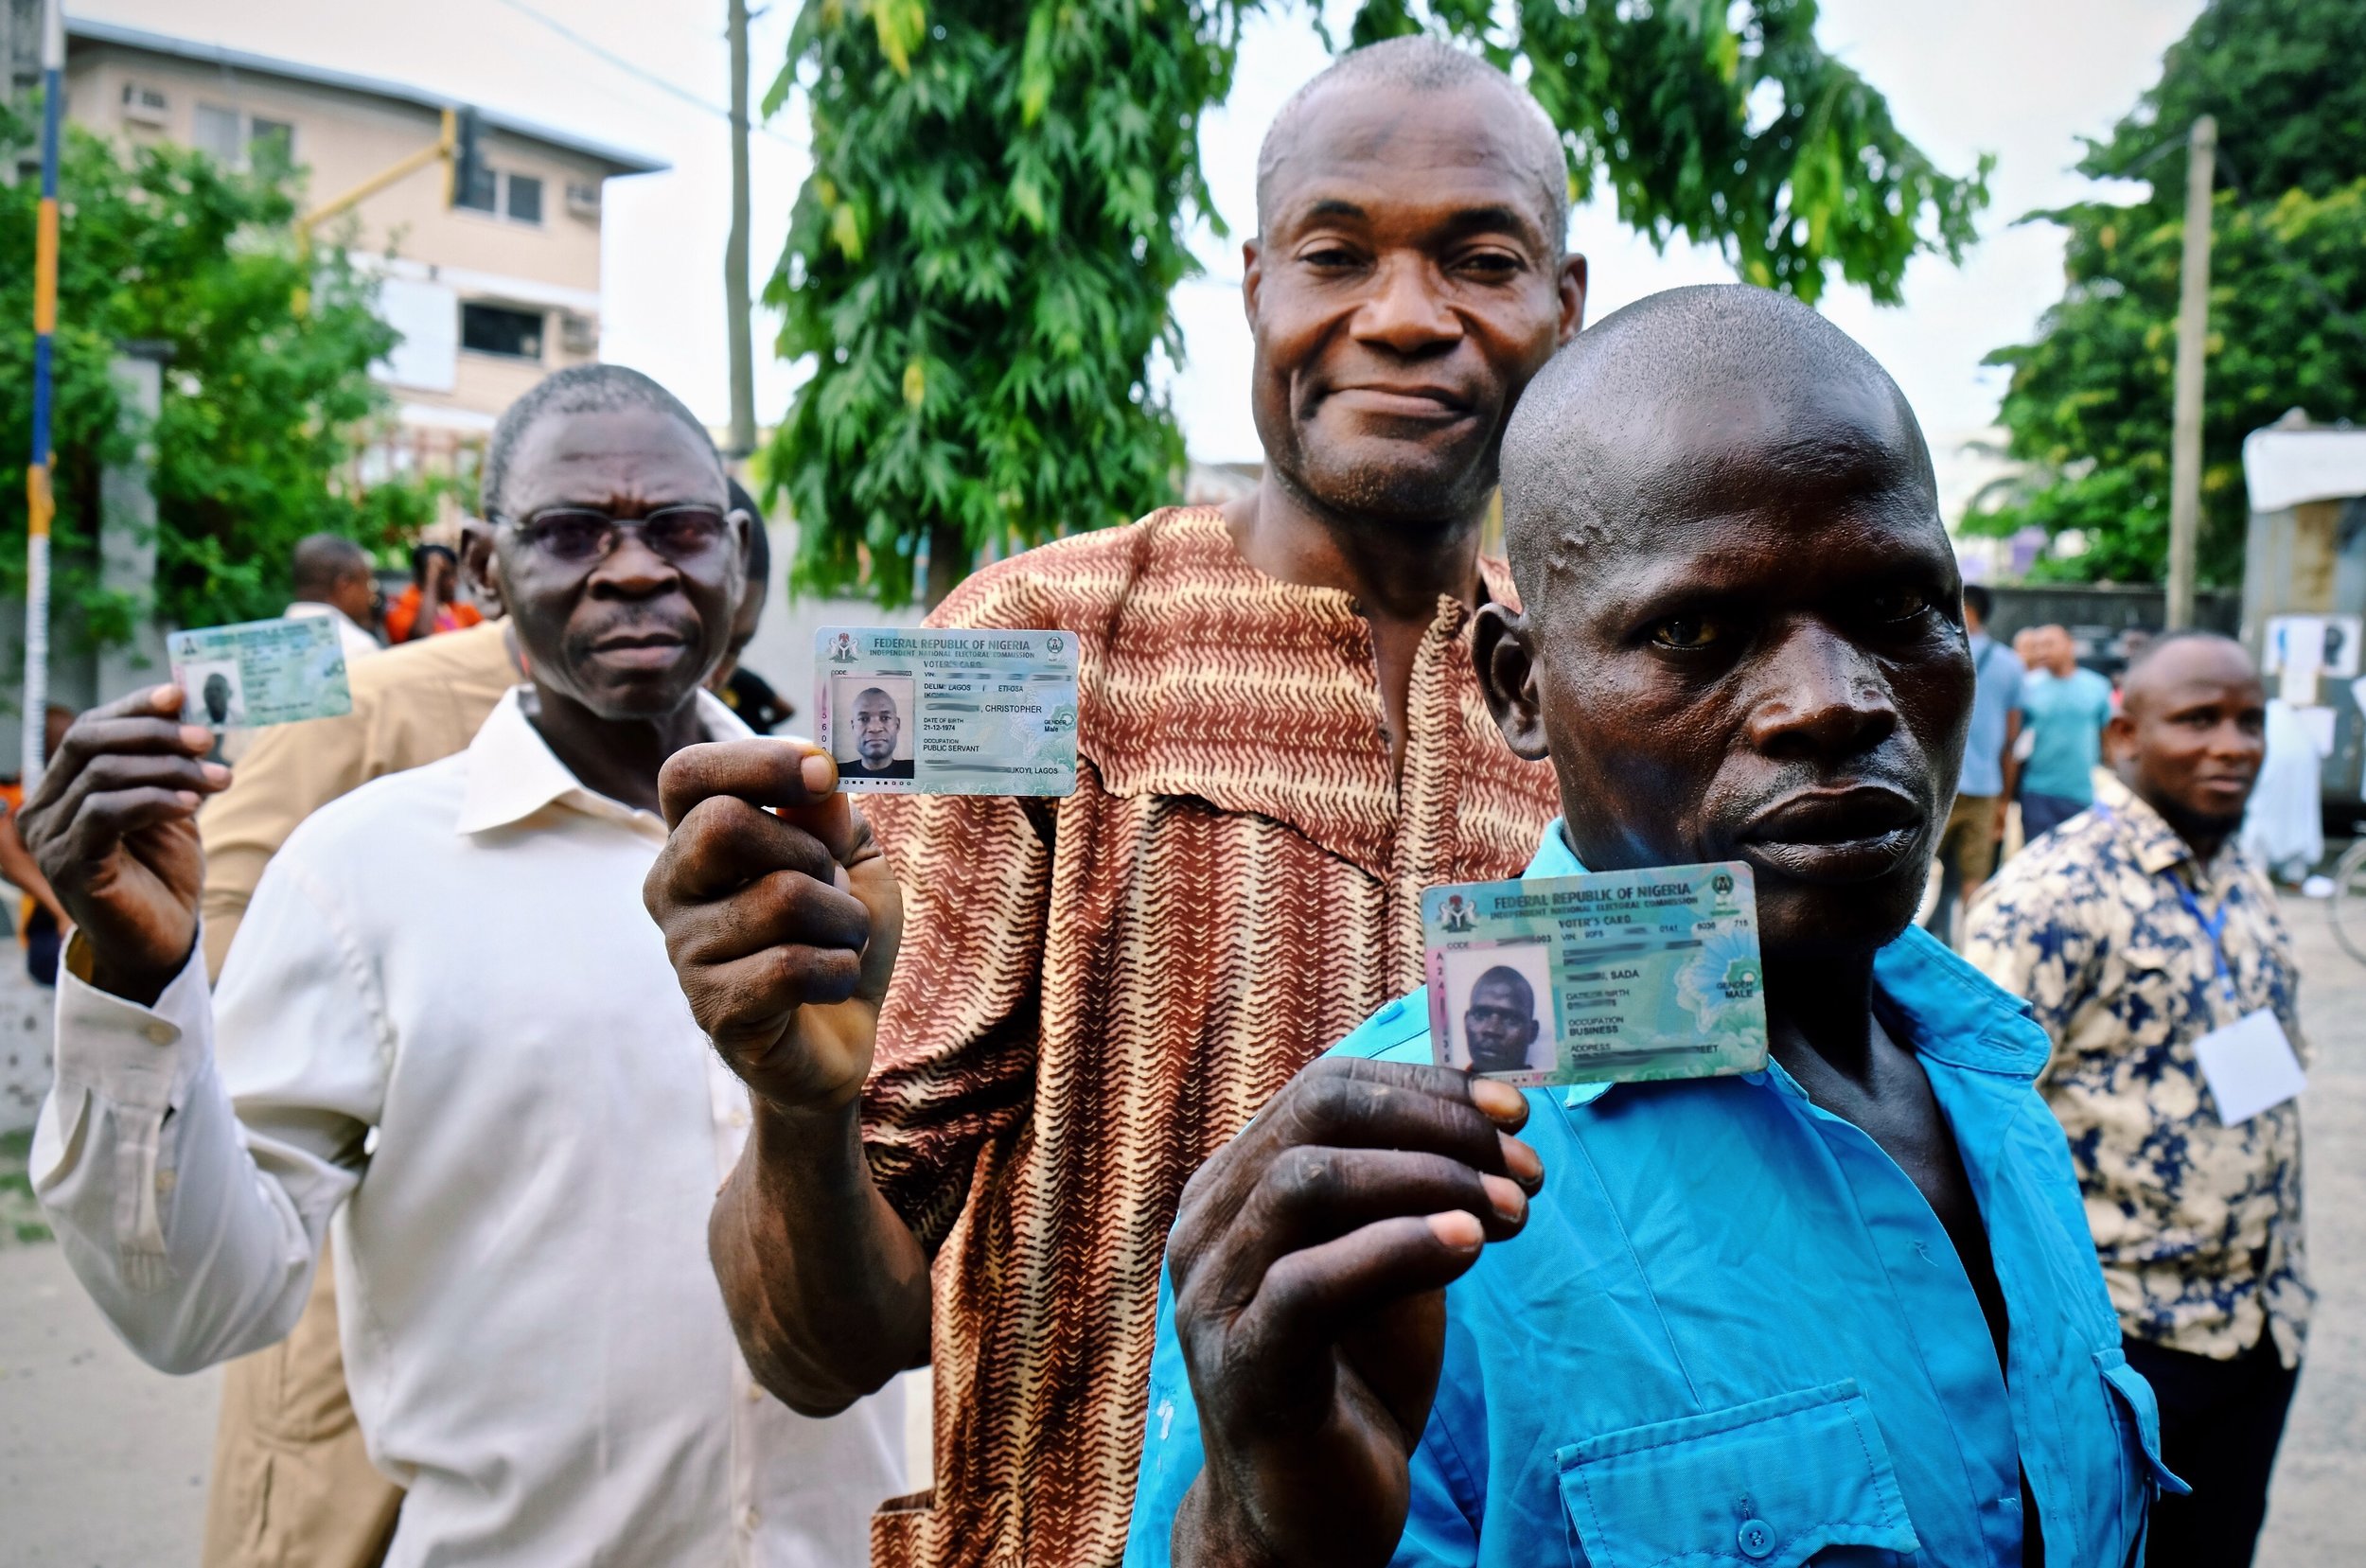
102,1462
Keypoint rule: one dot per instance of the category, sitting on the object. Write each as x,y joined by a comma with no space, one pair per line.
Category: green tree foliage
980,265
260,401
2089,406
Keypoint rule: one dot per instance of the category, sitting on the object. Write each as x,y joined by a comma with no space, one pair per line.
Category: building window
237,140
501,193
499,329
218,133
482,194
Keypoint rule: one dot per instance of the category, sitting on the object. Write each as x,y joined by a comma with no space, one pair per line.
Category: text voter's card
909,711
1618,977
260,671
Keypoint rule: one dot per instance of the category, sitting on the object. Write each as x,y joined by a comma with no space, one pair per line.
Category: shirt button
738,1117
1755,1537
159,1032
748,1522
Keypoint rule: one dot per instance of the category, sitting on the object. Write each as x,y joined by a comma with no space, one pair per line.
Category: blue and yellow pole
40,500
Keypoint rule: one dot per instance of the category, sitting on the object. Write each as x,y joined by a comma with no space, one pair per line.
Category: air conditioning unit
578,334
145,105
583,198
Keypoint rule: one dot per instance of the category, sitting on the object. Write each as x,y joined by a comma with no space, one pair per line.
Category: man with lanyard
1281,742
1975,824
1841,1309
448,1034
2151,951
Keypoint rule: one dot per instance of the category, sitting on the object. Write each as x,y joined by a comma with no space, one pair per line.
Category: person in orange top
431,603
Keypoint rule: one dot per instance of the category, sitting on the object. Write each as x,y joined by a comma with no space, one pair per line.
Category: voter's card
909,711
1616,976
260,671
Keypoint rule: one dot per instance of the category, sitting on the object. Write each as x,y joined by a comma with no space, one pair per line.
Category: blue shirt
1993,701
2065,714
1733,1330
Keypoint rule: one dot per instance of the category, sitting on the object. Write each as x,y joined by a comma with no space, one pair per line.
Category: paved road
102,1462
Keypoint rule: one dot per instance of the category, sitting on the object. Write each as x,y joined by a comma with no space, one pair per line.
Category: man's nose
1824,697
1407,312
632,570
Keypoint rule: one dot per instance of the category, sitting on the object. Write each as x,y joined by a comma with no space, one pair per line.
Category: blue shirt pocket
1765,1485
2140,1412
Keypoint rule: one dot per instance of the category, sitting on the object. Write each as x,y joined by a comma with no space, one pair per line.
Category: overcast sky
2021,78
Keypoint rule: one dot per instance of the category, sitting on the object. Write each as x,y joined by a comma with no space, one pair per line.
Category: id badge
2250,1066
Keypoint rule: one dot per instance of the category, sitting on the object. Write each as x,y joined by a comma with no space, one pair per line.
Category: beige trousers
293,1488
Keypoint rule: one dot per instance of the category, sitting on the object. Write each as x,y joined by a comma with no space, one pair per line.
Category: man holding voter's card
1839,1308
989,1046
447,1045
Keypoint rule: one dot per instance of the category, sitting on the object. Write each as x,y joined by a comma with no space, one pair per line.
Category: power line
642,73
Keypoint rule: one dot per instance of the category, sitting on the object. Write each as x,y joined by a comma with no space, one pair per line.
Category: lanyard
2209,928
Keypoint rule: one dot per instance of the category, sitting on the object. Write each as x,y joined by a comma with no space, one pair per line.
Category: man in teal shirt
2064,707
1842,1309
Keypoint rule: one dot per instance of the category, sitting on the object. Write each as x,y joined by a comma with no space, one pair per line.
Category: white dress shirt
357,641
448,1036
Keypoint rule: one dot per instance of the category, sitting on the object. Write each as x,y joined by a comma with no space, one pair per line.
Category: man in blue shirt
2064,707
1842,1310
1975,825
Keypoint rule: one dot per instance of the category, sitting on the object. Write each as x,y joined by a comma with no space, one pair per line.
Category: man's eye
1492,264
1330,255
1688,632
1902,604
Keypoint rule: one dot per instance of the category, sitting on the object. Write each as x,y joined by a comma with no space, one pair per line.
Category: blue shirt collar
1950,1011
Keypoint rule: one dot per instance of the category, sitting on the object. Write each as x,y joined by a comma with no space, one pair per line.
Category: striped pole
39,501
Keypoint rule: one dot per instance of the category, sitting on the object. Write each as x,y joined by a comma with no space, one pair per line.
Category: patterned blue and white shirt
2197,1224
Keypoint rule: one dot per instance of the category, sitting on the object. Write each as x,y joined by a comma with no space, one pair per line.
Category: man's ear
478,559
2119,739
1503,651
1573,274
1252,278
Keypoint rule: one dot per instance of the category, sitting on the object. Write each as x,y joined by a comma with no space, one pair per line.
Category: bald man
1500,1025
1060,1008
331,576
878,727
1843,1308
2144,941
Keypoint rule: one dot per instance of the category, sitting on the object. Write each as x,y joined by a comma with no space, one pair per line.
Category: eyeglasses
578,536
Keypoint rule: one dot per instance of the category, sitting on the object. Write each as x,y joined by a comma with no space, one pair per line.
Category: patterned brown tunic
1095,994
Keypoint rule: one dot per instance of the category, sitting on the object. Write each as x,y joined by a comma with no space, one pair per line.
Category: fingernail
820,773
1525,1165
197,737
1457,1231
1507,1198
186,797
1500,1100
163,696
215,773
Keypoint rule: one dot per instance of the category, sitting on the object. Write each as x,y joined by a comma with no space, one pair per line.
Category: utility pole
39,499
735,301
2193,330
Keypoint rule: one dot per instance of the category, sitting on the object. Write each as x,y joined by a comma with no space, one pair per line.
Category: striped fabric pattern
1094,994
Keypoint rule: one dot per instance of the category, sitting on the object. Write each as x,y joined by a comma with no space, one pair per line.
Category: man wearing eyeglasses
514,1170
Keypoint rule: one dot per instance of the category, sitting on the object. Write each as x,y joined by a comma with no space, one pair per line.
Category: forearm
828,1287
193,1248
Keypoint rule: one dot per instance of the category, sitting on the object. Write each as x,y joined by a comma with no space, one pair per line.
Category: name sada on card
1615,977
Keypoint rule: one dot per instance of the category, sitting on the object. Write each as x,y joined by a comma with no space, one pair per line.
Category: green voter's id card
912,711
260,671
1615,977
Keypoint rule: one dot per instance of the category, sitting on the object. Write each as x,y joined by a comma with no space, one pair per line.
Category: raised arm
1307,1266
783,927
194,1233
